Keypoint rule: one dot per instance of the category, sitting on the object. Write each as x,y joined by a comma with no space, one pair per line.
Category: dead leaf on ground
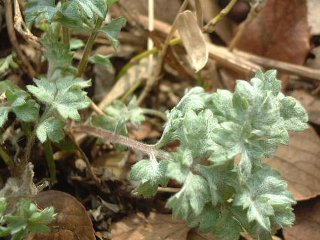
146,130
307,222
299,164
310,103
195,235
156,226
72,222
192,39
131,78
280,31
313,16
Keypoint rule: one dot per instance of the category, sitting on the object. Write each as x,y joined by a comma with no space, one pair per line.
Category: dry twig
26,65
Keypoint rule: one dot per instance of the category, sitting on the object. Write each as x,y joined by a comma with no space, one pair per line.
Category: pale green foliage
17,101
63,94
112,30
7,63
118,115
151,174
63,97
27,219
36,8
101,60
219,194
59,55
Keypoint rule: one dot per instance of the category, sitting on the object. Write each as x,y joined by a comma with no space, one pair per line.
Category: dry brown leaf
280,31
313,16
299,164
72,222
307,222
156,226
310,103
193,39
132,77
195,235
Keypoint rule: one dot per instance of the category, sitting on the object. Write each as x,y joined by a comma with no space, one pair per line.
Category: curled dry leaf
72,222
192,39
298,163
280,31
307,222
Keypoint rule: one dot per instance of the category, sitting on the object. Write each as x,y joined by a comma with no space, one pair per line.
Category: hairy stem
111,137
88,48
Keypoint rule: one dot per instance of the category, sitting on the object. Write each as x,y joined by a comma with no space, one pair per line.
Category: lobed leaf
112,30
19,102
150,174
192,197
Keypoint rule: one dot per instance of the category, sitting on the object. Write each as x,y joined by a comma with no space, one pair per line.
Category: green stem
6,158
88,48
65,31
154,113
142,55
32,137
210,27
50,161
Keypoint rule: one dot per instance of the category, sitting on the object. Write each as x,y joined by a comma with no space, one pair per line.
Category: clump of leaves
44,108
28,219
226,189
118,115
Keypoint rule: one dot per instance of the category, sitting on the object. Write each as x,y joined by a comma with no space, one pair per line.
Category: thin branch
26,65
210,27
85,158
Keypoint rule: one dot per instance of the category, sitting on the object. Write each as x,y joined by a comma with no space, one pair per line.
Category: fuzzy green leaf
19,102
51,128
118,115
58,54
4,111
112,30
150,174
221,180
179,166
264,192
28,219
81,15
65,94
7,63
192,197
102,60
35,8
